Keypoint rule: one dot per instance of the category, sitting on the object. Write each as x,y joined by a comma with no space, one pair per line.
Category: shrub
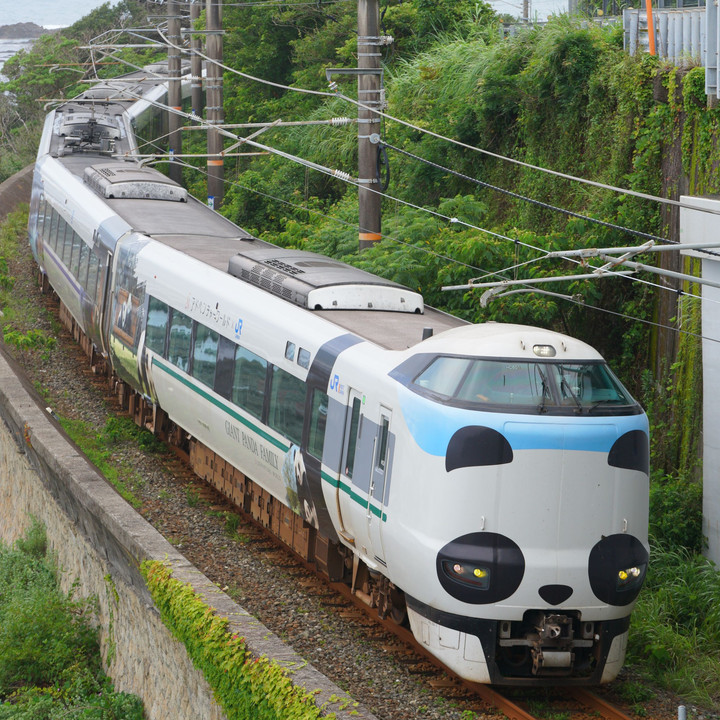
49,653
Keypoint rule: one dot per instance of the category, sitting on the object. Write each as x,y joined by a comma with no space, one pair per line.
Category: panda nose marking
555,594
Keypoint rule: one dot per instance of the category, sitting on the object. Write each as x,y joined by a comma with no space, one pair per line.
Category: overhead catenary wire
346,178
498,156
264,3
532,201
391,238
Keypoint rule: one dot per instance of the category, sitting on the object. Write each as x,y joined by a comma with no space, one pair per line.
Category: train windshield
577,387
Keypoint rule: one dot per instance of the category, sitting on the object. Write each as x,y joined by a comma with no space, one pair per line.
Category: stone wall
99,542
14,190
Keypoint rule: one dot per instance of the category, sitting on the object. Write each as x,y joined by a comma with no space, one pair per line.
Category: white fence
680,34
684,36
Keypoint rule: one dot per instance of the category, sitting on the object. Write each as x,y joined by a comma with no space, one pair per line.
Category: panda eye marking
616,569
480,568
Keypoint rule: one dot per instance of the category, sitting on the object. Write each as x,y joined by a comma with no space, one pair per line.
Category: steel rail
589,699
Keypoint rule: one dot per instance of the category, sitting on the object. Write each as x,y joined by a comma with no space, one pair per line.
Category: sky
538,8
54,13
48,13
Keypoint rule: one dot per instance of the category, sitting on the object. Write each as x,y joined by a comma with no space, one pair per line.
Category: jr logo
238,327
336,386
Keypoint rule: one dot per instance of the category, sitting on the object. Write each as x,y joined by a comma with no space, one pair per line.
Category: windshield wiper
545,392
564,384
607,401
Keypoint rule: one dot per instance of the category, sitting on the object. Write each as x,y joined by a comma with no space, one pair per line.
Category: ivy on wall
246,687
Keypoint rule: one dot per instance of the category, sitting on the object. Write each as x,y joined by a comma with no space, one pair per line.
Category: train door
103,298
382,455
346,496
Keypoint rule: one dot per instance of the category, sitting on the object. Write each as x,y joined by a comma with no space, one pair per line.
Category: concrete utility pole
215,113
174,89
196,94
369,84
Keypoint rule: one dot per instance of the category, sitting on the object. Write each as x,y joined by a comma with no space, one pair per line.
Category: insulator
342,175
339,121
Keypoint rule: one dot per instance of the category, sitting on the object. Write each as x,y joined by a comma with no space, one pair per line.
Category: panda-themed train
487,484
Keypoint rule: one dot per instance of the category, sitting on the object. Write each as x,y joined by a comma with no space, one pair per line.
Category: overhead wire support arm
340,174
498,292
336,122
647,247
241,141
533,281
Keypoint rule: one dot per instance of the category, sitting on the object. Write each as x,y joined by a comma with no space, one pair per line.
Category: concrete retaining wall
15,190
100,541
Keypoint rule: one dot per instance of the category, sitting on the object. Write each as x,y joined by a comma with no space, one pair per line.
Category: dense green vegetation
49,655
565,97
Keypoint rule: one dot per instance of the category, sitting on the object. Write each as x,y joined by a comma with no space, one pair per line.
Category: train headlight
480,568
631,576
545,351
473,576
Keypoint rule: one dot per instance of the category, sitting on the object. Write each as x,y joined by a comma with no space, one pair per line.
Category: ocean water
46,13
8,48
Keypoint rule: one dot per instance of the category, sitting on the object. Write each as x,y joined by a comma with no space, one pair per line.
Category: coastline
17,37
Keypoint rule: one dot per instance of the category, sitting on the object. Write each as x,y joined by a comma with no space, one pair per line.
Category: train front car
521,539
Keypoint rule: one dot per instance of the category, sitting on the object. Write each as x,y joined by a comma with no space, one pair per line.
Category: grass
675,630
18,315
100,446
49,653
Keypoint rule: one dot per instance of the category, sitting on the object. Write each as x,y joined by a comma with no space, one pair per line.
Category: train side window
248,388
353,434
53,236
318,421
381,459
84,264
93,270
205,355
46,220
303,358
65,237
287,404
157,322
41,229
180,337
77,246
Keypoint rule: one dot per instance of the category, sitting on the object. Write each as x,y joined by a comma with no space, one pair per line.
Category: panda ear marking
476,446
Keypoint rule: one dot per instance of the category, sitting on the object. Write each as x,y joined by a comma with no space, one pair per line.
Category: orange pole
651,26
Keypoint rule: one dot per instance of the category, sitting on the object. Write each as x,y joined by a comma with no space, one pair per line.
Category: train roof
88,131
317,282
507,340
